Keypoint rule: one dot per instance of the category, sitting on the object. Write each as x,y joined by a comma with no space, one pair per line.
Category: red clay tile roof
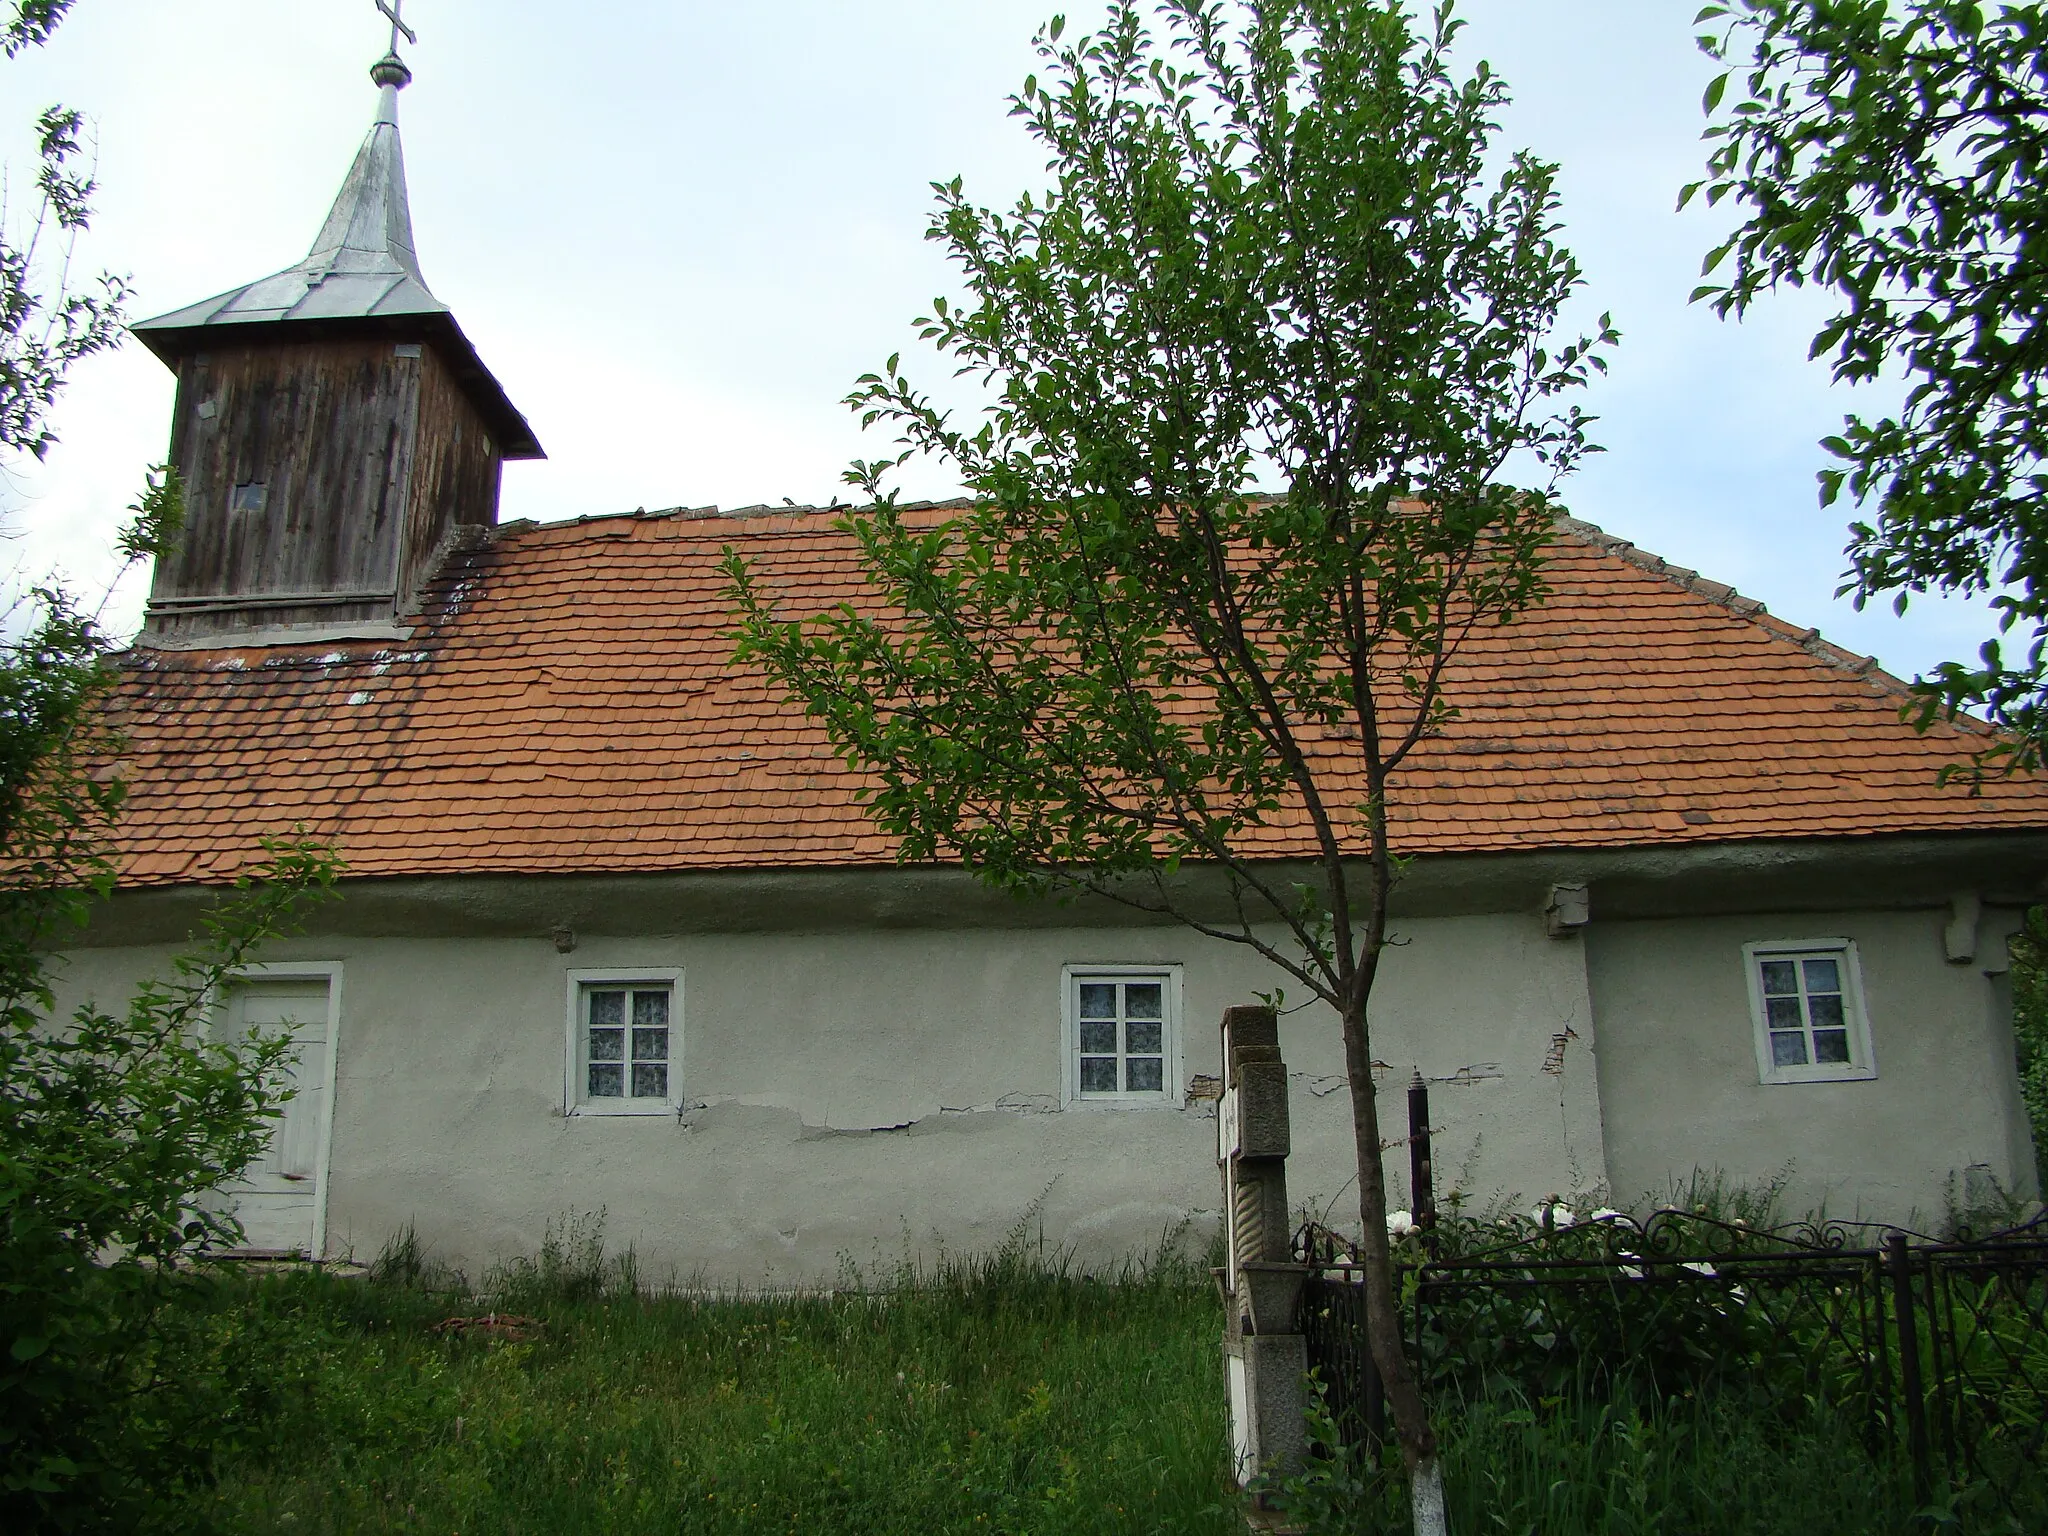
569,706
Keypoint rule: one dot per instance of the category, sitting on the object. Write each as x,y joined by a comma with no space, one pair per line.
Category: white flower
1399,1223
1554,1214
1605,1213
1702,1269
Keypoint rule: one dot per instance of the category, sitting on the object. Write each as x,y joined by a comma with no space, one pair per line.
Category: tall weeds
571,1266
1592,1466
1001,1391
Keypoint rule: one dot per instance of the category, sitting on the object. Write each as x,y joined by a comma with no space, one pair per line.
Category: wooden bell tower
336,431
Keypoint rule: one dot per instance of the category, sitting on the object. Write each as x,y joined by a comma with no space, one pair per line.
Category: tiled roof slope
569,706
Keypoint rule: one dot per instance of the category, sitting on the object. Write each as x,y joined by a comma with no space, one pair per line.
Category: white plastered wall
883,1095
1679,1081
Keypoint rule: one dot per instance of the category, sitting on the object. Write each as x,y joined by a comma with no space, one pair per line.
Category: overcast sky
678,231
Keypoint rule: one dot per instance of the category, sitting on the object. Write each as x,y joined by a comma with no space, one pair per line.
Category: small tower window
249,496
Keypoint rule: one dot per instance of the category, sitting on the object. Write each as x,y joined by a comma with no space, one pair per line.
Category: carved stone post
1264,1354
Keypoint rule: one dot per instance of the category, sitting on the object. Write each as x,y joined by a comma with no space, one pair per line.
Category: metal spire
362,268
362,263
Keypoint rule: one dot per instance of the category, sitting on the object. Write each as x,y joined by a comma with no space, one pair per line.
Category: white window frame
575,1102
1071,977
1862,1063
307,970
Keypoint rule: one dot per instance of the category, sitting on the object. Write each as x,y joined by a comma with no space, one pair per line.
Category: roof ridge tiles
1854,663
752,511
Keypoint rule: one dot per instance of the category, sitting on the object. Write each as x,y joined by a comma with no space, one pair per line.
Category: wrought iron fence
1934,1353
1979,1323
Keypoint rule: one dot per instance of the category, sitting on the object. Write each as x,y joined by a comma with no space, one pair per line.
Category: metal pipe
1899,1260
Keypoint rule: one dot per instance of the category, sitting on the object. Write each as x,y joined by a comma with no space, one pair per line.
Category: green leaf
1844,187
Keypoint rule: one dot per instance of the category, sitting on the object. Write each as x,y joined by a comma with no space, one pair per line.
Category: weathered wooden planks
324,480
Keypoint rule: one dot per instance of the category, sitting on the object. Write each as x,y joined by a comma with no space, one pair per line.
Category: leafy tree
32,23
2030,1029
119,1131
1897,153
1271,247
47,324
119,1134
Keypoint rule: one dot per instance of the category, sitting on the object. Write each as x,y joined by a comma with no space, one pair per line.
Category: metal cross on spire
395,9
390,71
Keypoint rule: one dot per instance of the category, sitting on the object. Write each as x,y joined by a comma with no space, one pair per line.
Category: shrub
1652,1315
118,1130
2030,1028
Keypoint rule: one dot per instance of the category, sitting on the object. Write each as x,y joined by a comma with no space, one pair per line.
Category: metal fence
1933,1353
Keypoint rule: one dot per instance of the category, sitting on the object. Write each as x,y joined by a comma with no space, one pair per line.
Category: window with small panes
1122,1035
624,1037
1806,1001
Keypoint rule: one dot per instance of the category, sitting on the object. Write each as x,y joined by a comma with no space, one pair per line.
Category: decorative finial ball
391,70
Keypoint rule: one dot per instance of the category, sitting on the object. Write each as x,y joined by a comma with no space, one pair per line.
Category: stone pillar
1264,1353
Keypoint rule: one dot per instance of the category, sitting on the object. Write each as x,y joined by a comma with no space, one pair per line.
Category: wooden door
280,1201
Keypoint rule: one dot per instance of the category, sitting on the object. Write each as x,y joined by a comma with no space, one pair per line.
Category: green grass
999,1395
1593,1468
979,1401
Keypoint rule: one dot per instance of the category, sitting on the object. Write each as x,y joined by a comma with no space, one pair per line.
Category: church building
616,937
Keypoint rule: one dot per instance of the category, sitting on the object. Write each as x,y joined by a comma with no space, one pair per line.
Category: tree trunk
1382,1317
